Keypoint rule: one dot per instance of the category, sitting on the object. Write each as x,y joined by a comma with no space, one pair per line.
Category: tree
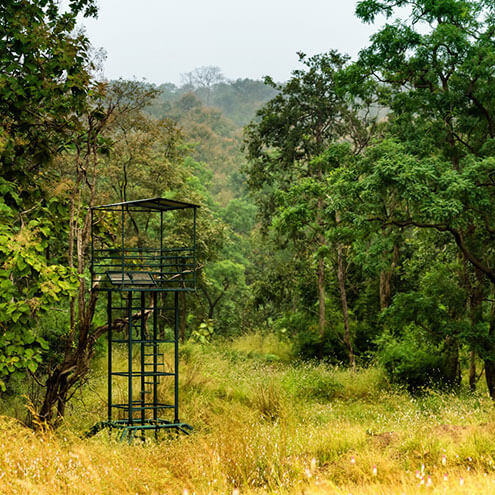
44,85
222,276
120,152
292,149
437,66
203,78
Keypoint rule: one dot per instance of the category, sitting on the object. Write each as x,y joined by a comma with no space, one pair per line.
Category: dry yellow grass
266,427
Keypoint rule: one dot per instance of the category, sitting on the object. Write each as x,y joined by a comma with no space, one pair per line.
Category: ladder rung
138,308
146,406
138,374
151,343
126,308
145,342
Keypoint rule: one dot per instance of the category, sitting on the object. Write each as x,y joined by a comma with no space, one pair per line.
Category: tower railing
166,269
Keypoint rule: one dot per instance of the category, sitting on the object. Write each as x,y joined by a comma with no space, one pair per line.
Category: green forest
341,337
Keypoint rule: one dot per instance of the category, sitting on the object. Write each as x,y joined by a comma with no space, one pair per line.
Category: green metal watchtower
143,269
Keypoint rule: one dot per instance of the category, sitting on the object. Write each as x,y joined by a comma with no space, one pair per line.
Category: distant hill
213,118
238,100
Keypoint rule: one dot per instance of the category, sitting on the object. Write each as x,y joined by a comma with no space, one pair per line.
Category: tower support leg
176,358
109,322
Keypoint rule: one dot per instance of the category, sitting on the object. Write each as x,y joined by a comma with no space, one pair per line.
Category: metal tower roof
158,204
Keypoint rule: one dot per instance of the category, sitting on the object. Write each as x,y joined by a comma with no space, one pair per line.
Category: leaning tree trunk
345,310
64,379
72,372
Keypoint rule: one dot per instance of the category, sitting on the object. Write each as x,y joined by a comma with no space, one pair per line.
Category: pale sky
158,40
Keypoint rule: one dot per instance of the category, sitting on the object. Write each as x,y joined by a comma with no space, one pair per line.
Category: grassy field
264,425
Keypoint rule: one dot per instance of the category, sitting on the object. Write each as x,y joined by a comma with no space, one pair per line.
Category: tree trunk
321,266
490,377
472,371
71,371
343,299
476,314
451,363
384,289
489,359
212,302
321,296
64,380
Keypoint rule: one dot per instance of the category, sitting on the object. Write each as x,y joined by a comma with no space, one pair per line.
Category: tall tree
80,178
287,146
437,65
203,78
44,85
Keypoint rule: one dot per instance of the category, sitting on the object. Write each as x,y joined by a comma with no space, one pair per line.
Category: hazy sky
160,39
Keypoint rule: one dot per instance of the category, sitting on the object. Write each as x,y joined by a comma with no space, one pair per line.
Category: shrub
411,362
311,345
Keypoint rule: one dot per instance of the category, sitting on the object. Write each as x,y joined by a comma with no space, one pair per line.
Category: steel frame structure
142,284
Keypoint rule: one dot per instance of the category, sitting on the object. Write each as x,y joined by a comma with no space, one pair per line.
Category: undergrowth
263,423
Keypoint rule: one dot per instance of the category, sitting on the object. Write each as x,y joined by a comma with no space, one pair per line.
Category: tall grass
264,425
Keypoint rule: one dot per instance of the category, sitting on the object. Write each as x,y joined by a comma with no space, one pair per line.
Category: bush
412,362
310,345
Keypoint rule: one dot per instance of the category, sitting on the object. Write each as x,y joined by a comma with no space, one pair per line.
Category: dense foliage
416,187
346,209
